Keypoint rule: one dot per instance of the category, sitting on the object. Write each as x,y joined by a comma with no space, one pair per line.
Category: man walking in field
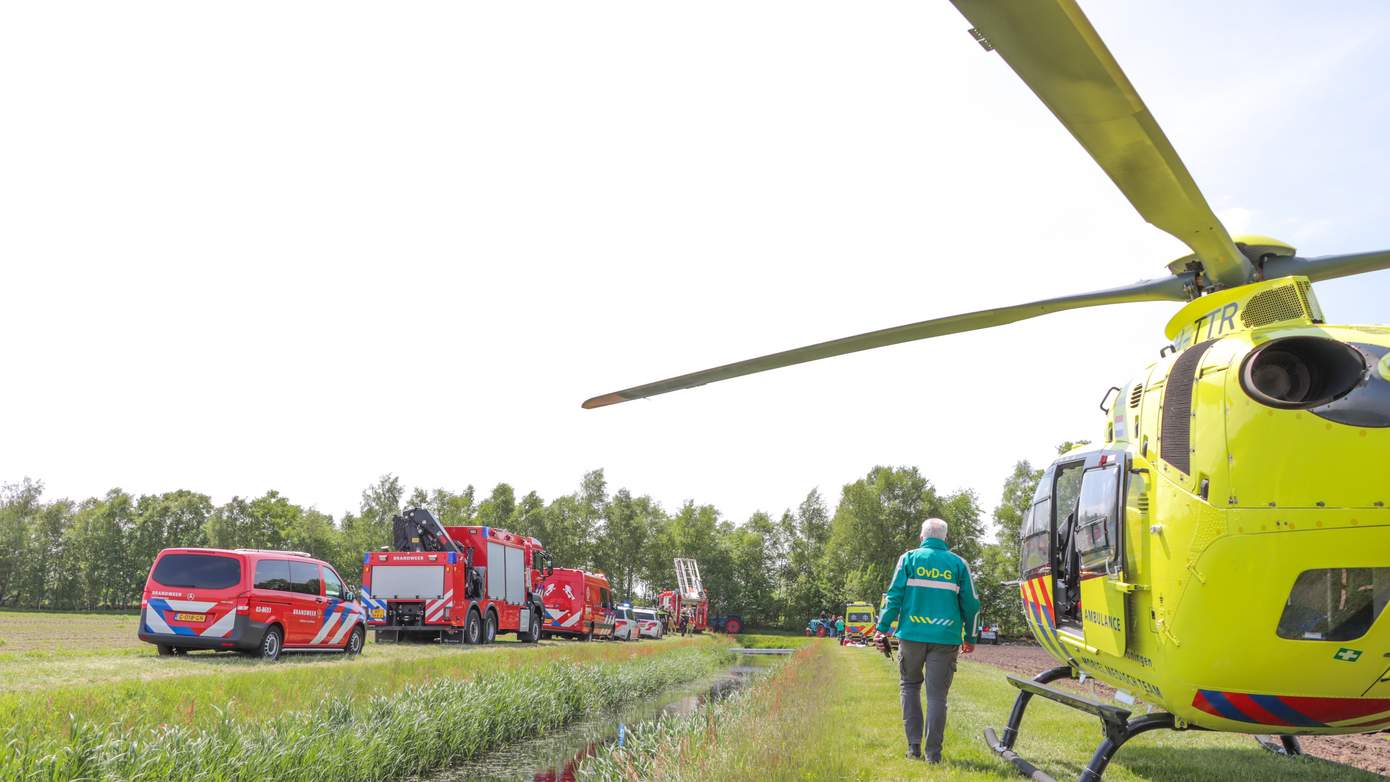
933,600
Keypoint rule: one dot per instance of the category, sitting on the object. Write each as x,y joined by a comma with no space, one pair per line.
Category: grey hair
934,528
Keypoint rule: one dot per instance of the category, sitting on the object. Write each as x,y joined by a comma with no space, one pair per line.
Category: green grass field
103,669
832,714
829,713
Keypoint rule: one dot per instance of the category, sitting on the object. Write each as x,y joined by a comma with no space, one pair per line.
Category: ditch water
554,756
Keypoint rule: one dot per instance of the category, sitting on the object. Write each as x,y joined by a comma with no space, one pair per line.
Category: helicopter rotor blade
1053,47
1175,288
1327,267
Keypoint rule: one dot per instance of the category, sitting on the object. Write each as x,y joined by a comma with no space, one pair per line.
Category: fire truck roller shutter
496,571
407,581
516,576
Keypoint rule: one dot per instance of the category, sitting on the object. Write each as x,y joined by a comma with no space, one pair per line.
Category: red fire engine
688,600
578,604
456,584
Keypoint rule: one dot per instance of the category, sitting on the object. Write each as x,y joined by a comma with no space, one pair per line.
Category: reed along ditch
555,755
436,724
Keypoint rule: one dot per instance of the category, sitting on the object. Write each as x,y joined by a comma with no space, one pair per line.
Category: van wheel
473,628
356,641
490,628
272,644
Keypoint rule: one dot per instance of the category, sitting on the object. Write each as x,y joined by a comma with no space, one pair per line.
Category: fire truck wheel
271,644
356,641
473,629
532,633
490,629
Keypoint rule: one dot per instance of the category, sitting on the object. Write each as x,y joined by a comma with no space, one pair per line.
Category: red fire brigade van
249,600
454,584
578,604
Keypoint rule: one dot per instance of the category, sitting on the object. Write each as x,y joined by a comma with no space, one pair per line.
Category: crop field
89,701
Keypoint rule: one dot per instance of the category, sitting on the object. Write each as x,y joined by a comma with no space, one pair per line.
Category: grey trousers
939,663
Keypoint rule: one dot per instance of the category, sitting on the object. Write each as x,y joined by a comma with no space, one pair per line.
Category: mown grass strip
771,641
218,689
831,713
413,730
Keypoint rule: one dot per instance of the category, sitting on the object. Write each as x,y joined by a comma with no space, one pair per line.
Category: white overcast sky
298,245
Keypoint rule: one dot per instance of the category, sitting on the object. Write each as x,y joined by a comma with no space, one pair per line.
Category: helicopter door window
1066,566
1037,532
1335,604
1097,517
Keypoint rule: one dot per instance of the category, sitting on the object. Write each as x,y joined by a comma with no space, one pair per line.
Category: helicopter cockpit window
1097,518
1335,604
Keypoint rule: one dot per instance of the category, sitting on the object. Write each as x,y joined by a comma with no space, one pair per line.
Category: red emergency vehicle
249,600
578,604
677,605
455,584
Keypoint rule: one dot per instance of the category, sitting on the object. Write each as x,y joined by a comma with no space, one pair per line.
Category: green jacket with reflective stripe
932,597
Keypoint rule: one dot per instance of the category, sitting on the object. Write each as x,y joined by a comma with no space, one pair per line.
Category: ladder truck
688,599
460,584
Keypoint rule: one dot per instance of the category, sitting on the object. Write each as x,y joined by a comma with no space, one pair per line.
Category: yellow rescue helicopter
1224,555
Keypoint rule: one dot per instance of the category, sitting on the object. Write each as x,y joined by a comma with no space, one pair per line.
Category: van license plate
190,617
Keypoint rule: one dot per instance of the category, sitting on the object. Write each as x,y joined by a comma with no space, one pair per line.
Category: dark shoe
934,759
914,752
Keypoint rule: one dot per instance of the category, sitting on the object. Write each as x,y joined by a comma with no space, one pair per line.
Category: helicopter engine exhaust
1295,373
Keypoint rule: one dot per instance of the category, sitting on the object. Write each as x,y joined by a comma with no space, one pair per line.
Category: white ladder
688,579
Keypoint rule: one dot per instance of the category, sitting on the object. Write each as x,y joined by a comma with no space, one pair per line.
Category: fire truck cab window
197,571
1335,604
1097,517
304,577
332,585
273,574
607,598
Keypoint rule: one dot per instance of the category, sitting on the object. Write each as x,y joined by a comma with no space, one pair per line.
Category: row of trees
775,571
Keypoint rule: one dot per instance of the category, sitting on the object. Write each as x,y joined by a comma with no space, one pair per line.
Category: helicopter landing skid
1281,745
1114,720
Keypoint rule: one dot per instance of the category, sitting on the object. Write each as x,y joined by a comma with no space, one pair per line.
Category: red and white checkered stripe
434,609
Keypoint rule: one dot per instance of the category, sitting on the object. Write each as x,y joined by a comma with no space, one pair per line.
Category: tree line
775,571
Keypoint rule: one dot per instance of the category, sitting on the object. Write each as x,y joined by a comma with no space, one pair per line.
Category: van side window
1097,517
332,585
273,574
305,577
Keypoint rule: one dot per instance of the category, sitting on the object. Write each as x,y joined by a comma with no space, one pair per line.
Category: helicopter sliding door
1097,555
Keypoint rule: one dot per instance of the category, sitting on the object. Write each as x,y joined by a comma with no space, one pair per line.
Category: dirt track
1370,752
